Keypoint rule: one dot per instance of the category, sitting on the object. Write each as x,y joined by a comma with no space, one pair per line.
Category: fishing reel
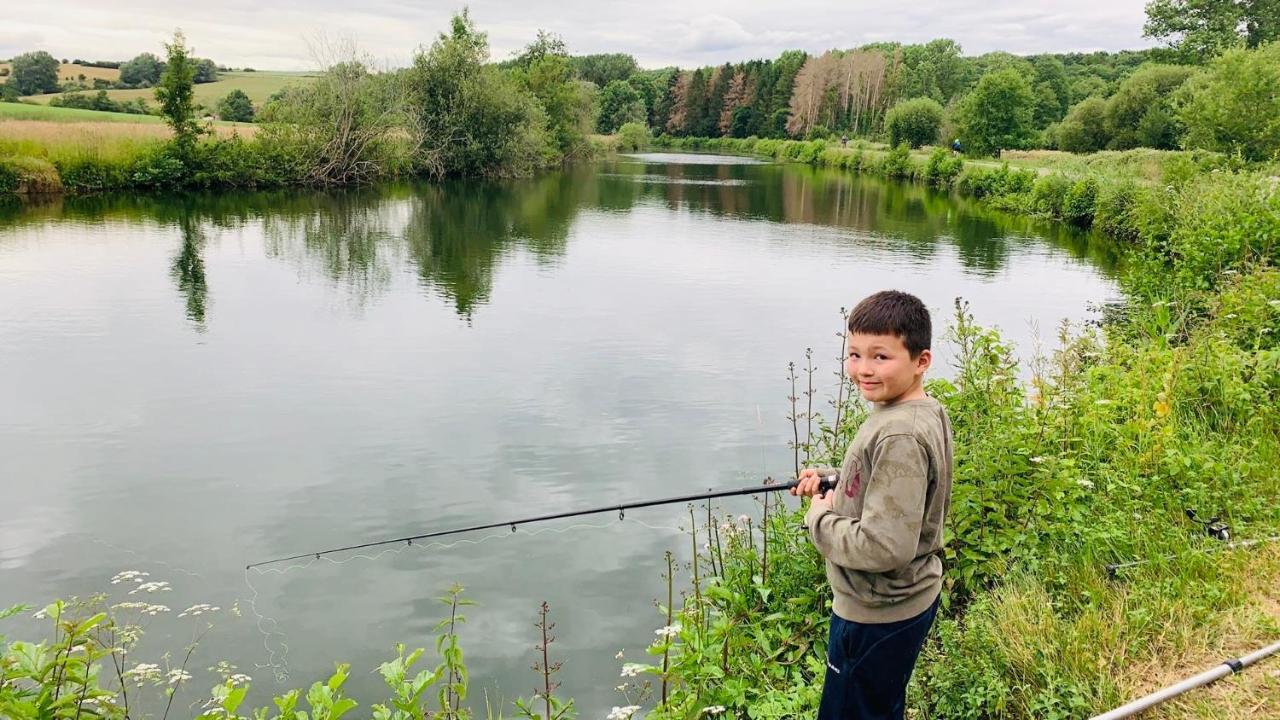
1213,527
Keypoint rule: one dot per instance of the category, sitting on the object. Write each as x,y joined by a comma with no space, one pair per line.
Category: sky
286,34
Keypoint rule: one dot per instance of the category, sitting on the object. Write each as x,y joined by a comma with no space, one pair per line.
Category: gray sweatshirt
882,538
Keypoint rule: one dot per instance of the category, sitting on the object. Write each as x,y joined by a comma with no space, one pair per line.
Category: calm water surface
192,384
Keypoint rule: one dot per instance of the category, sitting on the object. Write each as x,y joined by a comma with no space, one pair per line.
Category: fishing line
278,652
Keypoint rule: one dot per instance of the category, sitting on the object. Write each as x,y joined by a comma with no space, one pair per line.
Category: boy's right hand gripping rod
827,484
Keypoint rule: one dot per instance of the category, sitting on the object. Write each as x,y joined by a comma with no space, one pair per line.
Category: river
194,383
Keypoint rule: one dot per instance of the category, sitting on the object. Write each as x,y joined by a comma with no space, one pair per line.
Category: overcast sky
276,34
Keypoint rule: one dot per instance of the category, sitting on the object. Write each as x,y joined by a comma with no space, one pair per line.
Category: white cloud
658,32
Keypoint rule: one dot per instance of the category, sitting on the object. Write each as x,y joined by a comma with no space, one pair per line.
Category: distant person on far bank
880,528
955,147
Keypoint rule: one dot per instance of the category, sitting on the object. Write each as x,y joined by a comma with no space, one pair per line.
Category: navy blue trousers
868,666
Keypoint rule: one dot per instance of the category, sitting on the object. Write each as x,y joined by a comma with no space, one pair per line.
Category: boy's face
882,367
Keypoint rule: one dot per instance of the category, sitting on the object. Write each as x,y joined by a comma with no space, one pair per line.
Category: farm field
72,71
259,86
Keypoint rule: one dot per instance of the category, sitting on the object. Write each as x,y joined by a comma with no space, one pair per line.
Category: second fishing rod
826,484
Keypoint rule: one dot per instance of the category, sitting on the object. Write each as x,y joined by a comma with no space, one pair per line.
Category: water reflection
188,270
456,235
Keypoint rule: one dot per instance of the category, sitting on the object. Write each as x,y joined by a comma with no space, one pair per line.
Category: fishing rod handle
826,484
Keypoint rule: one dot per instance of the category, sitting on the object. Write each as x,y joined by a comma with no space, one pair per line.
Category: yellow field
259,86
89,133
71,71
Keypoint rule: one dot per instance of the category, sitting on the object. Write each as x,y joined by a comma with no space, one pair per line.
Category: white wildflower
40,614
1086,484
143,673
199,610
151,587
623,713
178,676
744,519
1038,459
1230,316
713,709
668,631
240,679
632,669
76,649
619,655
129,576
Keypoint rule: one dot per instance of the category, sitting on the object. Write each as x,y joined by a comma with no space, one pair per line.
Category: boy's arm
886,536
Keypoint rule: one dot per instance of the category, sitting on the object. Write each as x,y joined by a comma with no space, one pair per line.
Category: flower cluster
199,610
632,669
668,632
240,679
142,673
144,608
151,587
623,713
713,710
129,576
178,676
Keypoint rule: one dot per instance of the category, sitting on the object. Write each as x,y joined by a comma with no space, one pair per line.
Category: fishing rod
1223,669
825,484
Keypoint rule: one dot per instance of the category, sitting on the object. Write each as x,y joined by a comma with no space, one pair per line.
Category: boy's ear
924,360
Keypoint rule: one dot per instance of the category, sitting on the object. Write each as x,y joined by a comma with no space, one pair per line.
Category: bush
943,167
1078,207
1222,222
1141,113
1084,128
633,136
999,183
86,173
1235,106
1049,194
897,163
1116,209
28,175
915,122
818,132
236,107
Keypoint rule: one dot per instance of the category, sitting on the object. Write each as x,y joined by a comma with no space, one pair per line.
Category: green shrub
8,178
1235,106
1116,209
28,175
943,167
1049,194
86,173
915,122
1223,222
633,136
1084,128
1080,203
897,163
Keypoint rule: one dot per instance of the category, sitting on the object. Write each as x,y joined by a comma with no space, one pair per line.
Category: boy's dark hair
891,312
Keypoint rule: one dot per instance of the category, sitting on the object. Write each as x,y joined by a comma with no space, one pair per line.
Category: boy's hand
821,502
809,483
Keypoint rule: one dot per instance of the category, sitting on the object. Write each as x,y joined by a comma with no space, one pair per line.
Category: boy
880,529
